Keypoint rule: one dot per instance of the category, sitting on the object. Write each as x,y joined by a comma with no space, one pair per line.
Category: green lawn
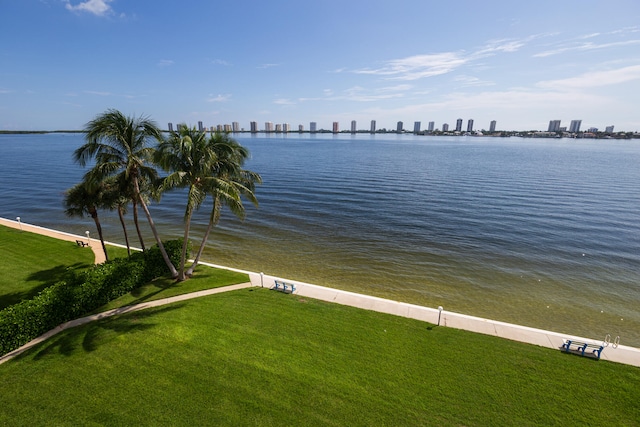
258,357
204,278
30,262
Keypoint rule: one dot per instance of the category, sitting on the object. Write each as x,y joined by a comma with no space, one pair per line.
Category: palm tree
230,183
186,157
85,199
119,145
204,167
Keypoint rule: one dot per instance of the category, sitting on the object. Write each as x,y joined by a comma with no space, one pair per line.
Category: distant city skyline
554,126
519,63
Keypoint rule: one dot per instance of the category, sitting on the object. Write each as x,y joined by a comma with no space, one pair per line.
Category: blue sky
62,62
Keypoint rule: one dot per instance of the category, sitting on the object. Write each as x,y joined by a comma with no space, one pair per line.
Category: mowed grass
260,357
30,262
203,278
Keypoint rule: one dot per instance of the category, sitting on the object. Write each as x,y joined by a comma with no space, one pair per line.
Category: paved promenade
554,340
94,244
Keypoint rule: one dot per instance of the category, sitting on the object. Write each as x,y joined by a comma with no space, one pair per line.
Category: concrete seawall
554,340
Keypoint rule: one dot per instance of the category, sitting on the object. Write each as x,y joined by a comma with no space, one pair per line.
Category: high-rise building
235,126
278,127
459,125
170,127
416,127
445,127
254,127
609,129
492,126
227,128
574,127
400,127
432,126
313,127
336,127
300,128
286,127
200,128
353,126
470,125
373,126
554,126
219,128
268,126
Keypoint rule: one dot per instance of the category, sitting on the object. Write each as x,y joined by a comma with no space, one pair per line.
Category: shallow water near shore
538,232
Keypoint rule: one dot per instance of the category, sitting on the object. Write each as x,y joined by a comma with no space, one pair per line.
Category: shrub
80,293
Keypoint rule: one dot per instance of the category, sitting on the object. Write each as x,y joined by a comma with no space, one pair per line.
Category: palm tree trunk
124,230
185,242
137,224
94,215
213,220
172,268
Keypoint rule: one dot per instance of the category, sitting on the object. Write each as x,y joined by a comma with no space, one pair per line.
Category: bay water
539,232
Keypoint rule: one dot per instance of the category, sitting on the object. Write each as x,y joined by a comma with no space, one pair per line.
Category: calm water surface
544,233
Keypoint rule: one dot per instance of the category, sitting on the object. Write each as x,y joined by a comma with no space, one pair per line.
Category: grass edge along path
94,244
116,311
259,357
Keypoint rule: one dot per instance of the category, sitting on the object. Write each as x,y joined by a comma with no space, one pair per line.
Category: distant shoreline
501,134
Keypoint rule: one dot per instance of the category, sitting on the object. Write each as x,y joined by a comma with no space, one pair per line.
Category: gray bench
284,287
81,243
582,348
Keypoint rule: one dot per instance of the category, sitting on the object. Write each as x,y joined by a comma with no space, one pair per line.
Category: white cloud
472,81
263,66
584,47
284,101
219,98
221,62
594,79
418,66
361,94
95,92
428,65
97,7
165,63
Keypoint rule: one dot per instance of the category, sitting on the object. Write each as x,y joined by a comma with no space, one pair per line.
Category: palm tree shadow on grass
45,278
101,332
162,284
57,273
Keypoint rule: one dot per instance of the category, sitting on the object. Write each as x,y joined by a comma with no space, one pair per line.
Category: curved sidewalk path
120,310
94,244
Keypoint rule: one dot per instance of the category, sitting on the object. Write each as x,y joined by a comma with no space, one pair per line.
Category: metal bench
284,287
582,348
81,243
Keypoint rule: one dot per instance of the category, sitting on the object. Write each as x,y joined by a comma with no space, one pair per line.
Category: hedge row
81,293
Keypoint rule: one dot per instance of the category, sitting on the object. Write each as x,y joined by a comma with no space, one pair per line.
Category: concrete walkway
94,244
